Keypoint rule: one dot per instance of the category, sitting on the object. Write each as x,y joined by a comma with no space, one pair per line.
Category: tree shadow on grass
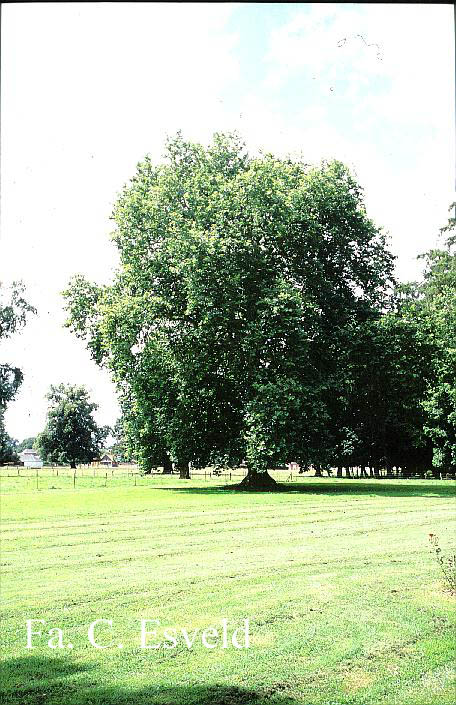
34,680
381,488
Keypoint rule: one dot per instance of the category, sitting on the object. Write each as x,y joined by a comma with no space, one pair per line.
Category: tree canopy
242,283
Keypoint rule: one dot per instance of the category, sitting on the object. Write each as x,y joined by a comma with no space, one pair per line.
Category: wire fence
20,478
65,470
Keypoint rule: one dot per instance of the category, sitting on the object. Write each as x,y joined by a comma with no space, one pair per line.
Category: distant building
107,460
30,458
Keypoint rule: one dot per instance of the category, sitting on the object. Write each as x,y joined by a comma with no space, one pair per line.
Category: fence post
57,472
74,479
135,479
37,478
18,470
106,479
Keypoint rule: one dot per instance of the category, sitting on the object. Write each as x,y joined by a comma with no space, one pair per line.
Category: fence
85,477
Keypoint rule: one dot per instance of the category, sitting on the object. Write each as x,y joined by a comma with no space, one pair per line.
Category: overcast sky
89,89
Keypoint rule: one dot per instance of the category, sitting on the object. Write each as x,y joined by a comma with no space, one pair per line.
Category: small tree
71,434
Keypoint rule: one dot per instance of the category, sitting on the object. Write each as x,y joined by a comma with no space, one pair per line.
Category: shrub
447,563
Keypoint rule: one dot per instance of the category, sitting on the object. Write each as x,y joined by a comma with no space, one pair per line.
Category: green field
345,602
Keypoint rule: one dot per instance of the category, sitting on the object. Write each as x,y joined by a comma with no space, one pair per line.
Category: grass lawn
345,601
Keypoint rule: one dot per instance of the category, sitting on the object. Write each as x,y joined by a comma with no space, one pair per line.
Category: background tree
436,311
122,443
239,280
118,447
8,446
379,423
71,434
26,443
397,400
13,316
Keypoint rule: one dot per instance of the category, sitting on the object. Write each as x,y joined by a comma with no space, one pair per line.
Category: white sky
89,89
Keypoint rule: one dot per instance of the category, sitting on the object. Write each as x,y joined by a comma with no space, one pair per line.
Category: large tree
71,434
239,280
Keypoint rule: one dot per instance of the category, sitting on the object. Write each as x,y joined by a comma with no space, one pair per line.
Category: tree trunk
261,481
184,471
339,471
318,471
167,465
73,465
